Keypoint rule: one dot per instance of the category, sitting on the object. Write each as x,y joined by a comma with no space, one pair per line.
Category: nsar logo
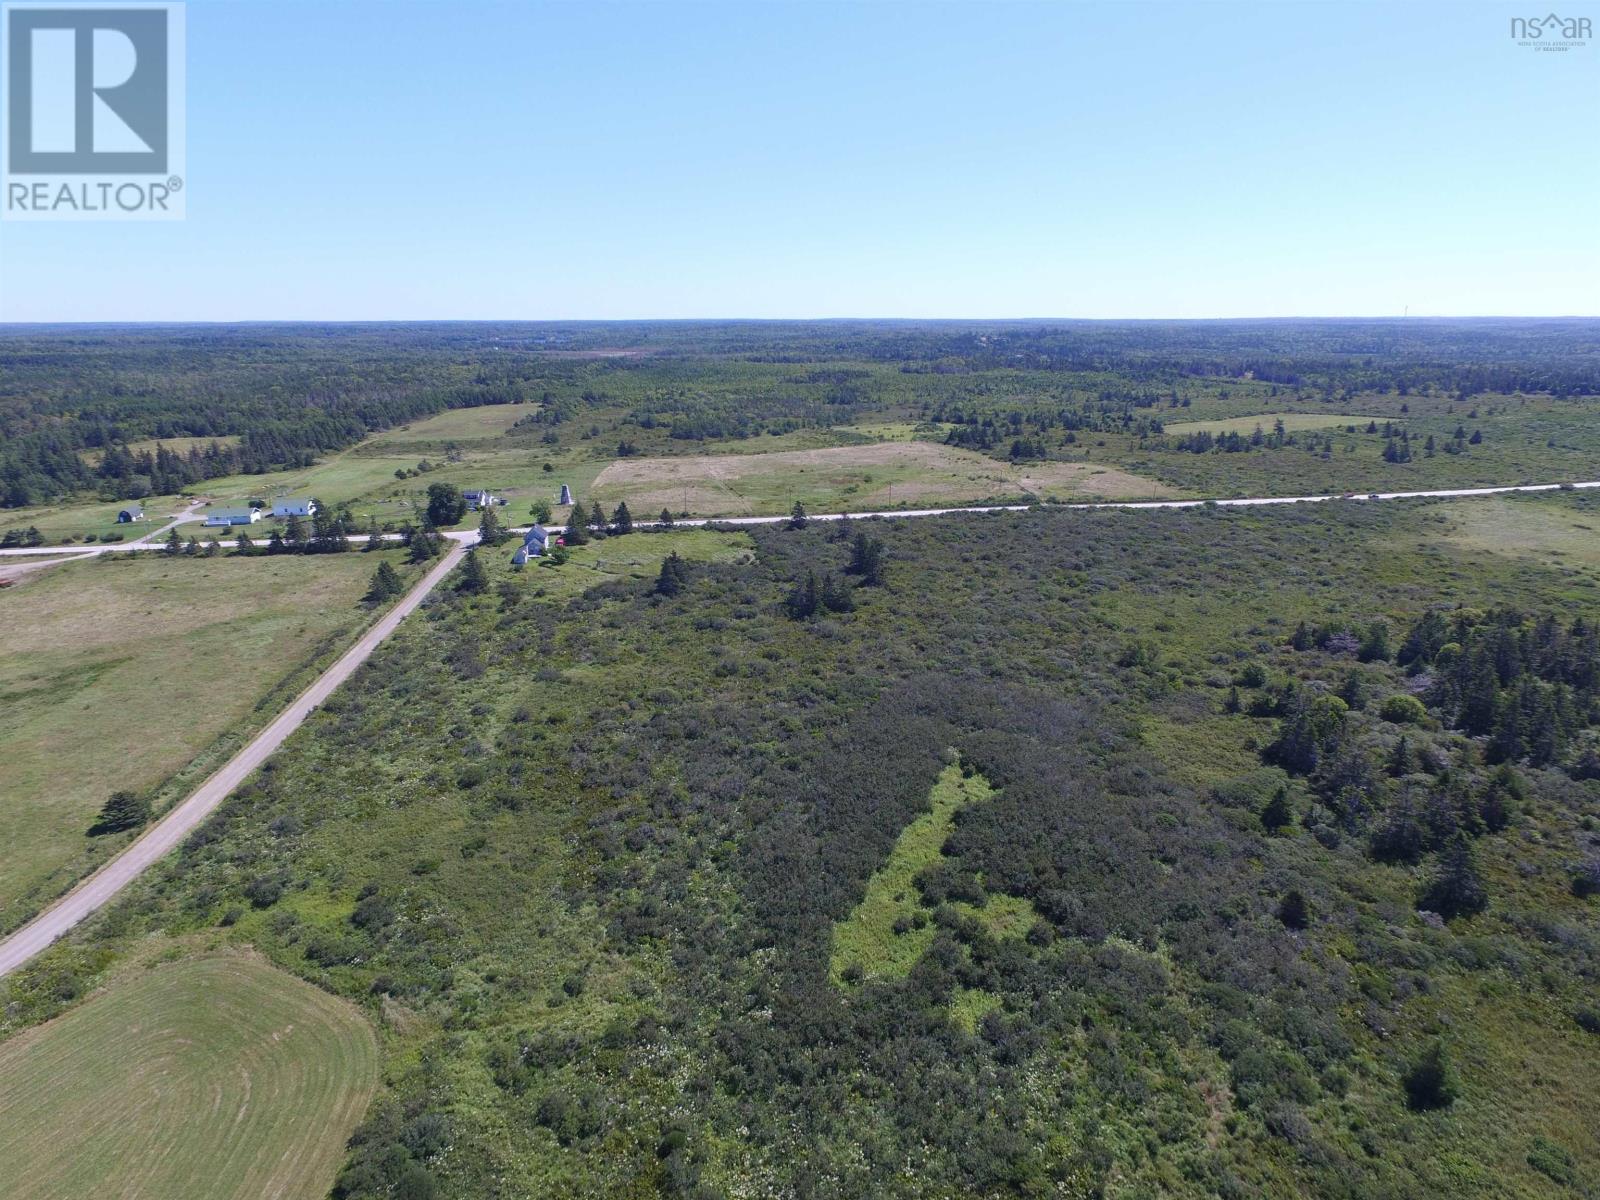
94,115
1551,32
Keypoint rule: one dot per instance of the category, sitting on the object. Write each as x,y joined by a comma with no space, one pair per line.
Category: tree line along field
1209,852
139,673
378,411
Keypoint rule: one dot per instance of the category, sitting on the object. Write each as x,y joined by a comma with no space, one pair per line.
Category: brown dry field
859,478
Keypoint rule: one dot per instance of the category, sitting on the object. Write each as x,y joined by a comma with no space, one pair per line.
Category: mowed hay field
1292,422
211,1079
116,672
850,478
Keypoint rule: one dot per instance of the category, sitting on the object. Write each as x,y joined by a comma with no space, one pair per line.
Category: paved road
37,935
1241,502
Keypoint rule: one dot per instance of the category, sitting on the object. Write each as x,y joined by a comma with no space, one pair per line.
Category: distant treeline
284,394
281,397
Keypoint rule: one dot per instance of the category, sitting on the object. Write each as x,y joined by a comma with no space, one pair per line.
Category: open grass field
458,424
1552,533
849,478
210,1079
1292,422
115,673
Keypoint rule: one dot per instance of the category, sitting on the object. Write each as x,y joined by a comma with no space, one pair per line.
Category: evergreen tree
1279,813
191,547
275,543
490,531
474,578
123,810
385,583
1431,1081
244,545
866,560
576,535
1457,890
423,543
665,519
1293,910
374,537
597,517
622,519
835,595
174,542
212,547
804,599
294,533
674,576
797,516
1375,645
1402,761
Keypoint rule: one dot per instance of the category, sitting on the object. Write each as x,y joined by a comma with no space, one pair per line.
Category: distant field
852,478
1292,422
898,431
459,424
115,673
210,1079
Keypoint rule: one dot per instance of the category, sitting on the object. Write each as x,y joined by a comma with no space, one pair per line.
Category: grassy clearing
1552,534
850,478
1266,421
213,1078
458,424
117,672
868,939
637,556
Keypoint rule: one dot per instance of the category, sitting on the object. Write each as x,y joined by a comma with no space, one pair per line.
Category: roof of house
230,513
537,534
521,556
132,506
294,499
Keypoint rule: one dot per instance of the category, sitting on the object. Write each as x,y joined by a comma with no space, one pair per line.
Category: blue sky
350,159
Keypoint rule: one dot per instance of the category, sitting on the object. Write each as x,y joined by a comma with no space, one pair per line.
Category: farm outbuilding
131,511
233,516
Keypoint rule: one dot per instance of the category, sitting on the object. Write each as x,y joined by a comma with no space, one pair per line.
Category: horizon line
708,320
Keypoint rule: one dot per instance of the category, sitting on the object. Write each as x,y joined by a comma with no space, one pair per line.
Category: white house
294,506
233,516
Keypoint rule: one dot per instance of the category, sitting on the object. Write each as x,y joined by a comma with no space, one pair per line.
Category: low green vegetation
1269,422
219,1078
889,930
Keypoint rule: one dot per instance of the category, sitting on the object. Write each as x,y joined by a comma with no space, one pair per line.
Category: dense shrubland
1307,855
